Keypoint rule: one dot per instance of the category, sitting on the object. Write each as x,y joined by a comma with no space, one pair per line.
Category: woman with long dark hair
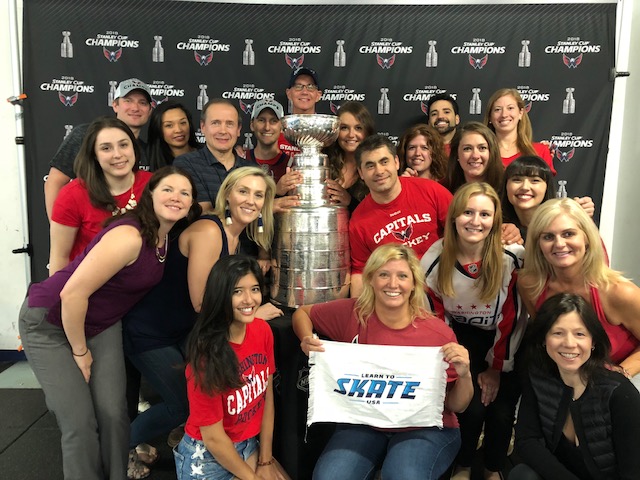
474,157
577,418
71,330
345,186
229,432
171,133
108,183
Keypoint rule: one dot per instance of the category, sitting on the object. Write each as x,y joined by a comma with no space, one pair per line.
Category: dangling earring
593,348
260,224
227,215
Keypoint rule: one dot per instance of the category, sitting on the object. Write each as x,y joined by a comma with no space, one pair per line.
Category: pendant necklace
163,256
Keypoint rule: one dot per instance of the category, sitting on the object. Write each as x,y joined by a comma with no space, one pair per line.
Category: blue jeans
164,370
355,451
195,462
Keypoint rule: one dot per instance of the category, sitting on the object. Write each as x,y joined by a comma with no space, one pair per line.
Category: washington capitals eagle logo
403,235
334,108
572,62
246,107
424,108
155,103
68,100
112,56
565,156
527,107
203,59
294,62
478,63
385,62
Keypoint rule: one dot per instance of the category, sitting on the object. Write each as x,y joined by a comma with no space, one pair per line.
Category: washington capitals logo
203,59
385,62
246,107
572,62
334,108
565,156
155,103
112,56
424,108
403,235
478,63
68,101
294,62
247,378
527,107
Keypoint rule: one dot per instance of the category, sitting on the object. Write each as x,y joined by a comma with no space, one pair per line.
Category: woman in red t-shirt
229,432
108,184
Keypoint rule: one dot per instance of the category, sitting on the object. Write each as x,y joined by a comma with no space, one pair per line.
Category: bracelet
80,355
264,464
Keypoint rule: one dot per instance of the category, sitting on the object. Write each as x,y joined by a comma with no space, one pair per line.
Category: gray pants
92,417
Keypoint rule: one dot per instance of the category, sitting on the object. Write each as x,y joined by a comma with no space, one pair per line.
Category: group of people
158,257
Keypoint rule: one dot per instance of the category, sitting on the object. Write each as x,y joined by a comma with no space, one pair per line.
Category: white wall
620,225
13,280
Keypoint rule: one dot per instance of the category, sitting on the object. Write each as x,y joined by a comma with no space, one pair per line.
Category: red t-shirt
541,150
415,218
338,321
277,165
286,147
241,409
73,208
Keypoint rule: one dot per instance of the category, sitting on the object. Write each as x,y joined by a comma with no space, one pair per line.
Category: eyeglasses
298,87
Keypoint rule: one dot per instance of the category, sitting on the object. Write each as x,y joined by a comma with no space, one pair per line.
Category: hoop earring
260,224
227,215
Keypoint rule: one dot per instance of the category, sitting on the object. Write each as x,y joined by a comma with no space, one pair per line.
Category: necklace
131,203
163,256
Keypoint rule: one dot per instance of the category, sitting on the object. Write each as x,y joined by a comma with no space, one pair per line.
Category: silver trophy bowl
311,131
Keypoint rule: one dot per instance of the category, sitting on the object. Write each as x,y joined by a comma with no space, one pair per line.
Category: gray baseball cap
129,85
260,105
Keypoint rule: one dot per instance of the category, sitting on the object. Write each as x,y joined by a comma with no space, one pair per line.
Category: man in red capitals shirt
407,210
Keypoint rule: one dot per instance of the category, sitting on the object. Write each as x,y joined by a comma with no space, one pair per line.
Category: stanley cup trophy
66,47
157,52
524,57
312,240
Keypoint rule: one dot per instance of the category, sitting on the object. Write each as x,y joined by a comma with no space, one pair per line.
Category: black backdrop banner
390,57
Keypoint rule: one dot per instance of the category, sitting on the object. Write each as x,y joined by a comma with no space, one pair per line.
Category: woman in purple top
71,330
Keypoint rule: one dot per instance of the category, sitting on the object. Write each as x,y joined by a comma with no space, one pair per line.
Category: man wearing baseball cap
303,93
267,127
132,105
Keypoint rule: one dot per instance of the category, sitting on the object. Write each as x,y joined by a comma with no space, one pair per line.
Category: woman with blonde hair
507,117
391,311
474,157
421,153
471,280
565,255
